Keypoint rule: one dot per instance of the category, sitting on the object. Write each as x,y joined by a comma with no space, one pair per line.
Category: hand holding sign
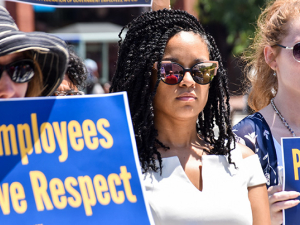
160,4
280,200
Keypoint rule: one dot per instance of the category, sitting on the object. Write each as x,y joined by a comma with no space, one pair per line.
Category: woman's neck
176,133
288,105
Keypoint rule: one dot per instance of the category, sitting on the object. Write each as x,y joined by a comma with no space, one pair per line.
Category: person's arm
280,200
257,194
258,198
160,4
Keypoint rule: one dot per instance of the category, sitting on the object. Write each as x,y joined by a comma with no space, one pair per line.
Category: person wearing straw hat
31,63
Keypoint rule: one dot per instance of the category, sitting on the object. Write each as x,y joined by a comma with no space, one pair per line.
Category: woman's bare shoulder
246,152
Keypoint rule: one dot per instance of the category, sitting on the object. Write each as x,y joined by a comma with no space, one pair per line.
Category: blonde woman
274,71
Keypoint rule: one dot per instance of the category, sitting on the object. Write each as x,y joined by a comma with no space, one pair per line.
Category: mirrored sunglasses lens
21,72
57,93
203,73
66,93
74,93
171,73
296,52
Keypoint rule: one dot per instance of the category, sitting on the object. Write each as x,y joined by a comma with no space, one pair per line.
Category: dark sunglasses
296,50
20,71
173,73
65,93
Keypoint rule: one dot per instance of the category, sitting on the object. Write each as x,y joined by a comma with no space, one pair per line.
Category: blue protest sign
69,160
90,3
291,170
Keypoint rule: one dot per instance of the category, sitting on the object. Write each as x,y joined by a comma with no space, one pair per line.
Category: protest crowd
178,97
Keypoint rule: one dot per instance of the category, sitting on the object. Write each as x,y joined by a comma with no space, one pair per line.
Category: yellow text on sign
296,162
91,190
15,192
43,138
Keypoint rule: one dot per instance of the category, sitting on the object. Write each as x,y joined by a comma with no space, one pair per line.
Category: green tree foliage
237,16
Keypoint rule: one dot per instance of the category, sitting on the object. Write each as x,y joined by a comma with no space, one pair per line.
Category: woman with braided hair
192,176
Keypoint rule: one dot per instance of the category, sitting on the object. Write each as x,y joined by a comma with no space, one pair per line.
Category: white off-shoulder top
223,200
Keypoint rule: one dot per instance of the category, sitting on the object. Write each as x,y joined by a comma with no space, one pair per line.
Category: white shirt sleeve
253,167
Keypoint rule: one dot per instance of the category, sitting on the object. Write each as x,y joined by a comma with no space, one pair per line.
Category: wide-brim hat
50,52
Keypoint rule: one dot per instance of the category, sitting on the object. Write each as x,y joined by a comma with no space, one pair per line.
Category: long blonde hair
271,29
35,85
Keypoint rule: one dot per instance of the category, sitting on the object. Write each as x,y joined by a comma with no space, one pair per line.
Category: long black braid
144,45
